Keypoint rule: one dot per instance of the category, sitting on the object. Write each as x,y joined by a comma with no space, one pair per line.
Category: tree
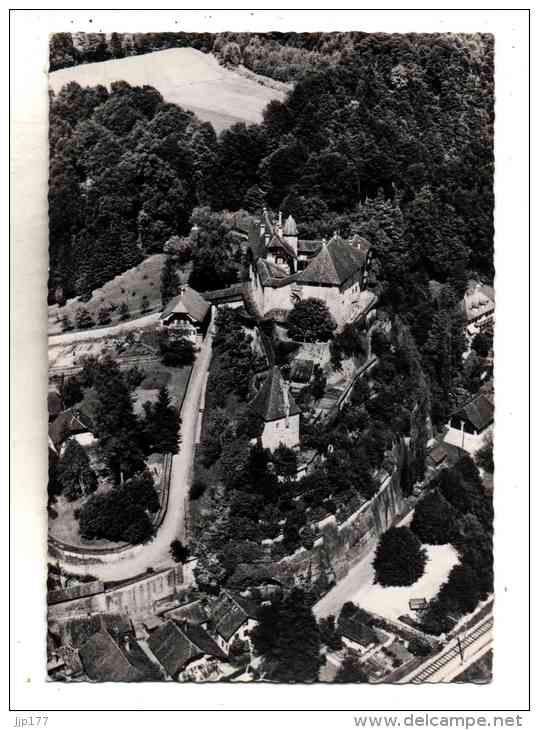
482,344
329,634
435,520
285,461
170,281
399,559
103,316
310,321
288,639
318,386
485,456
178,551
72,391
124,311
350,671
162,425
144,304
67,324
74,472
83,319
176,351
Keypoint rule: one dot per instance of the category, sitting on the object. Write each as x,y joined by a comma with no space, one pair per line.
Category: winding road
116,566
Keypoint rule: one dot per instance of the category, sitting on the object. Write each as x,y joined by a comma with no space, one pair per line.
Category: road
136,560
66,338
448,664
345,589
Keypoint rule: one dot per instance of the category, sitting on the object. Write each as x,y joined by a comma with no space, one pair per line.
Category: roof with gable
478,301
230,612
192,613
188,302
336,262
270,401
479,412
69,423
352,628
280,243
104,660
309,247
176,646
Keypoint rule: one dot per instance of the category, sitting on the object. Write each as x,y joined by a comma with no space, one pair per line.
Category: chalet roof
231,611
176,646
290,228
188,302
336,262
355,630
479,411
69,423
270,401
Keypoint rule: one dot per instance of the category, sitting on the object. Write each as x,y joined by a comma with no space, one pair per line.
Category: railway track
440,662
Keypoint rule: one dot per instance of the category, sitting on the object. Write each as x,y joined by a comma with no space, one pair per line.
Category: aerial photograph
271,314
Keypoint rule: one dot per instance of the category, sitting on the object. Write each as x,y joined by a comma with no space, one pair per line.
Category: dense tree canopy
310,321
400,559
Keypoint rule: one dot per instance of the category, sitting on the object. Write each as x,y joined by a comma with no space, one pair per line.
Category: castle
283,269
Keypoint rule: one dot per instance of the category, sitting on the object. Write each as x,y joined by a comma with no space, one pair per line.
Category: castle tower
290,233
279,411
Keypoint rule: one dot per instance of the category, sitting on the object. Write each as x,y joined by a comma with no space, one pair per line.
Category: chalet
234,617
187,652
187,315
356,634
478,306
71,423
285,269
470,426
276,406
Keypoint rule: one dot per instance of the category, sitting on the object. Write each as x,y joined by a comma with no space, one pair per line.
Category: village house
284,269
356,634
187,652
234,617
71,423
478,306
276,406
471,425
186,315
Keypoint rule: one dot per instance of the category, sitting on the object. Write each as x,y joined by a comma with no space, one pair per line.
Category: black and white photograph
271,325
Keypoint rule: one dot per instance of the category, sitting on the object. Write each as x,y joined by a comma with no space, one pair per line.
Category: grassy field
184,76
128,287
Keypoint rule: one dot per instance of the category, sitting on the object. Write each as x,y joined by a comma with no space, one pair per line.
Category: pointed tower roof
271,401
290,228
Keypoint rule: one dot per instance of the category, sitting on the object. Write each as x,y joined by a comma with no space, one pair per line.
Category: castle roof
336,262
188,302
290,228
270,403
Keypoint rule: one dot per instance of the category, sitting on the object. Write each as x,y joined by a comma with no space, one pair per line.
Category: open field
128,287
184,76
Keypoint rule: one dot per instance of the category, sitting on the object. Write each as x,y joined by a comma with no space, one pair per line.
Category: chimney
267,239
286,400
280,219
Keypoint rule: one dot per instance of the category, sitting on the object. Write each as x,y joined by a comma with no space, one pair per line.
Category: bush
84,319
311,321
418,647
178,551
103,316
176,352
124,311
198,487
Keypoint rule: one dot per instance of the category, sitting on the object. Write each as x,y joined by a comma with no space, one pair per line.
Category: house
187,315
234,617
193,613
187,652
106,659
478,306
276,406
356,634
284,269
470,426
71,423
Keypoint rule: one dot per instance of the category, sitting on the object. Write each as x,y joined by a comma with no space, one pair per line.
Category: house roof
355,630
278,242
270,403
336,262
69,423
479,411
309,247
105,660
231,611
176,646
273,275
478,300
302,370
188,302
192,613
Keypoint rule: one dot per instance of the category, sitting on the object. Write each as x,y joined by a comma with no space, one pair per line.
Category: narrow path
97,333
136,560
